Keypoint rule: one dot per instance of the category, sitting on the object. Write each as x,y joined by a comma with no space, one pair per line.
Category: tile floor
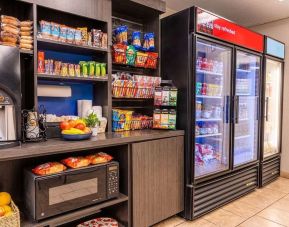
266,207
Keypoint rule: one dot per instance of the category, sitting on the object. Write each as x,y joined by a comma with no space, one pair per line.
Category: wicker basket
12,220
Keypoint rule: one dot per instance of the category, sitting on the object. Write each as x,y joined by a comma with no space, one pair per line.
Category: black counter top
55,146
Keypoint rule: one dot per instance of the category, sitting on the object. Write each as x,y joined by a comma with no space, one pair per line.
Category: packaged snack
173,96
46,64
45,29
103,69
64,69
158,96
100,222
119,53
83,68
41,66
77,70
152,60
26,29
9,20
96,37
10,28
9,44
62,33
76,162
130,55
51,64
70,35
165,119
84,35
89,39
26,46
97,69
165,96
141,59
91,68
149,42
57,67
104,42
71,71
8,37
157,118
49,168
26,23
136,40
28,33
26,41
77,37
55,30
121,34
99,158
172,119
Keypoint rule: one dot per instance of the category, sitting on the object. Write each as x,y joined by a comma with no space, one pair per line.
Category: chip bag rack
120,126
12,220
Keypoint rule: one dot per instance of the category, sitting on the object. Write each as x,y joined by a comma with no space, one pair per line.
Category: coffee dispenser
10,97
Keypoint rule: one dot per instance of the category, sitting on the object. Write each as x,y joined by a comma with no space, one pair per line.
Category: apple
80,126
64,125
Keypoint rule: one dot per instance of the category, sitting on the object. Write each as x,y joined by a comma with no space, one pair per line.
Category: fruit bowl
76,137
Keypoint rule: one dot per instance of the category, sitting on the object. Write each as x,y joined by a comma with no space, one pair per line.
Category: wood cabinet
157,180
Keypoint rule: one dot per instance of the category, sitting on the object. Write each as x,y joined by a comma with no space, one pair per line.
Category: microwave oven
46,196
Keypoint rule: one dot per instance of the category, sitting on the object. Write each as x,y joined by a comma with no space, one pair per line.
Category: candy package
62,33
64,69
103,69
97,69
49,168
55,30
136,40
84,35
130,55
77,70
57,67
83,68
70,35
45,28
119,53
149,42
77,37
71,71
76,162
104,42
91,68
96,37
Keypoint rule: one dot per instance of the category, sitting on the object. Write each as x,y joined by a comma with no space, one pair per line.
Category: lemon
5,198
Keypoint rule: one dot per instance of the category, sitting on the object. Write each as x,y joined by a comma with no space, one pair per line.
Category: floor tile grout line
266,208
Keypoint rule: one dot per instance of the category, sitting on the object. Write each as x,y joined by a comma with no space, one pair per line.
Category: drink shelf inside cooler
209,97
209,119
208,135
209,72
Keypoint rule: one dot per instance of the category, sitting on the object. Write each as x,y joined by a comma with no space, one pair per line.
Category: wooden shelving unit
74,215
69,78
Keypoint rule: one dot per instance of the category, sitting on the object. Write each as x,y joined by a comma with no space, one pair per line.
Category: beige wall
280,30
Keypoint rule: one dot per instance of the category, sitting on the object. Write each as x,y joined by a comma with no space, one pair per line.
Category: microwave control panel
113,180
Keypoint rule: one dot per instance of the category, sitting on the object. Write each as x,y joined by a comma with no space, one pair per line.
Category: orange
5,198
86,130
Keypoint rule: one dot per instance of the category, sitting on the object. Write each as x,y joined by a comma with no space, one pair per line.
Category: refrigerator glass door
272,113
246,108
212,92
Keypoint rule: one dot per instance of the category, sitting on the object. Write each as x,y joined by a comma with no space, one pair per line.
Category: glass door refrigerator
216,65
272,110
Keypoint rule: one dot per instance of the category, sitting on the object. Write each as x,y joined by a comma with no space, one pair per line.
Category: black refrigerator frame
177,41
270,167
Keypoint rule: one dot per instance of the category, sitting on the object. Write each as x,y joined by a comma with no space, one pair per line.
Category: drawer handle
250,183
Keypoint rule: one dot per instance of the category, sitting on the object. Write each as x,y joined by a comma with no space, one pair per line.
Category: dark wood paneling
157,180
159,5
96,9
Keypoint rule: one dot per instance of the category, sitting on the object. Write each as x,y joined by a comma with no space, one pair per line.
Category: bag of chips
99,158
136,40
141,59
76,162
121,34
49,168
149,42
119,53
130,55
152,60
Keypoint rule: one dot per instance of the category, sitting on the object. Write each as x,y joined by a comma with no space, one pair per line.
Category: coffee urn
10,97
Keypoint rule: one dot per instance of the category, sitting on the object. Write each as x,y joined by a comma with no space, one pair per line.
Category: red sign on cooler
228,31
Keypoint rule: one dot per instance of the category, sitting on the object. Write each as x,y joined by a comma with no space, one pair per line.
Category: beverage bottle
204,64
204,89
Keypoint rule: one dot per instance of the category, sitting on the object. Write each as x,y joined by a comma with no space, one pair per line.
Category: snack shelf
69,78
209,119
209,72
124,99
209,97
131,66
243,70
75,215
56,45
25,51
209,135
242,137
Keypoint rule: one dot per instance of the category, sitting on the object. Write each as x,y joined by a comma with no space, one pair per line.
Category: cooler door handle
237,109
227,108
266,108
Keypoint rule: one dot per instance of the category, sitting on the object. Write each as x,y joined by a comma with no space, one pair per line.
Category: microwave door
72,190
